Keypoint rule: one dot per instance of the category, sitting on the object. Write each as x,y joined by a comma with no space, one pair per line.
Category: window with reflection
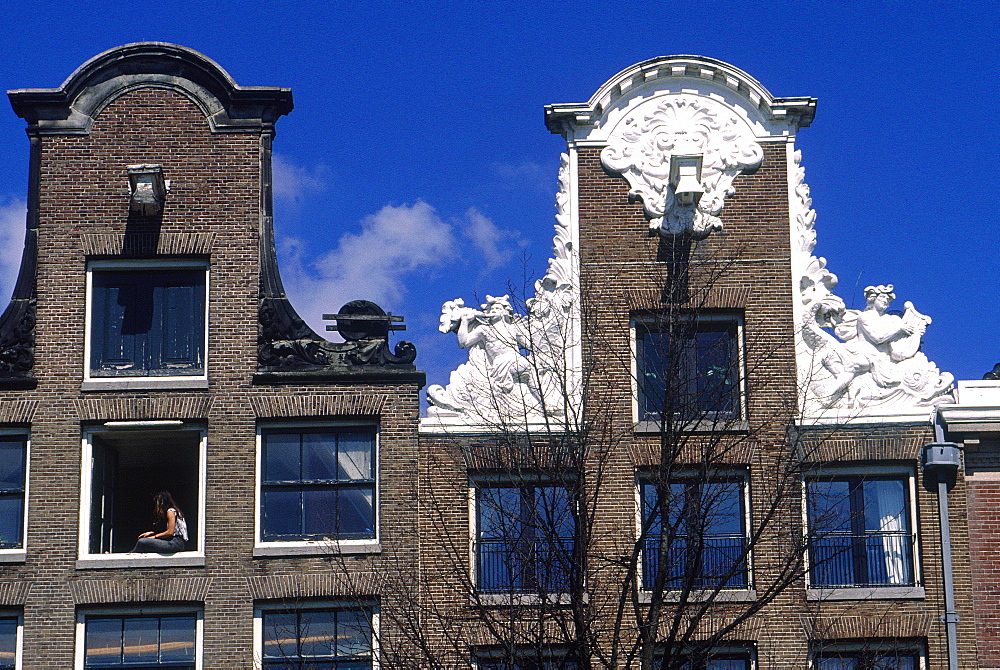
525,538
140,641
318,484
696,535
318,638
876,657
13,467
860,531
8,642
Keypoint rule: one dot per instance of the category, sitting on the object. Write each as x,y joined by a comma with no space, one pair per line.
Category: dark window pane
140,640
319,512
11,521
280,635
317,633
319,456
103,641
355,512
282,513
354,633
12,454
8,642
281,457
177,638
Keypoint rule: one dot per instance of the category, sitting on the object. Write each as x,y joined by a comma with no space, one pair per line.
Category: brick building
685,450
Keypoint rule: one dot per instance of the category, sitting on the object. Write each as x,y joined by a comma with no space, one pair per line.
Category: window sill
13,555
703,426
521,599
143,383
704,595
866,593
326,548
183,559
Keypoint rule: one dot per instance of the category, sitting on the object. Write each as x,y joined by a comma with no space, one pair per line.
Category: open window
124,464
146,319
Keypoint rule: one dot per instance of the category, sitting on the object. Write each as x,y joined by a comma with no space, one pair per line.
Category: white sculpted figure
519,367
878,362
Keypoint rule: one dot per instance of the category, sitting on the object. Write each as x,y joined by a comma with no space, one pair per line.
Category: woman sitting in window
172,539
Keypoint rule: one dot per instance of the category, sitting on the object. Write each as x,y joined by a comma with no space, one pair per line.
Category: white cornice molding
682,74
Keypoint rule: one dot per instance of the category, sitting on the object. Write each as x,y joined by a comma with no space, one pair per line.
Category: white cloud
12,218
372,264
487,238
293,183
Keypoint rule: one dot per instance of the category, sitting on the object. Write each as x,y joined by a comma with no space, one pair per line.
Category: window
738,661
318,483
525,538
140,641
698,536
13,468
332,638
860,531
555,663
10,629
873,655
690,368
124,465
147,321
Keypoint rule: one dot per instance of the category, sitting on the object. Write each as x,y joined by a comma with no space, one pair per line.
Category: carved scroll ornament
640,149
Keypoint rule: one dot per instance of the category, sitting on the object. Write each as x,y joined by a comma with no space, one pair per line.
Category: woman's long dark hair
163,501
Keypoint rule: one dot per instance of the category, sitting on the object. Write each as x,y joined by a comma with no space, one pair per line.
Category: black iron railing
541,566
872,559
712,562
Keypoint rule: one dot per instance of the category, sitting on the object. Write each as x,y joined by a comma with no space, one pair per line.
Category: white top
180,525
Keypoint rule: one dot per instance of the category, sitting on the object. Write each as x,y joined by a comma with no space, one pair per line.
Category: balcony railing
722,562
543,566
872,559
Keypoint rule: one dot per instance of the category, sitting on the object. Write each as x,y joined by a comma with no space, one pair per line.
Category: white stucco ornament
856,363
519,369
643,145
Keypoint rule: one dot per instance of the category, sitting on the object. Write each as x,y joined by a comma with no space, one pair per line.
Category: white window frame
725,594
286,606
510,598
19,643
872,471
727,423
143,382
330,546
137,611
888,644
86,559
19,554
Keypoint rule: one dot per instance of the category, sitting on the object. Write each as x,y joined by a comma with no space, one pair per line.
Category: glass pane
11,520
140,639
837,664
281,457
319,456
829,506
499,512
319,510
177,638
885,505
728,664
716,366
649,498
895,662
355,512
356,455
282,512
280,635
104,641
12,464
722,504
554,509
8,641
354,633
317,633
651,370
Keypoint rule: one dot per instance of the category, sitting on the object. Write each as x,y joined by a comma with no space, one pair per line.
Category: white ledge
13,555
866,593
185,559
703,426
704,595
140,383
919,416
431,425
521,599
328,548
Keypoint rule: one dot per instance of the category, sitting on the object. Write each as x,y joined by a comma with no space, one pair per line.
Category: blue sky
416,166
